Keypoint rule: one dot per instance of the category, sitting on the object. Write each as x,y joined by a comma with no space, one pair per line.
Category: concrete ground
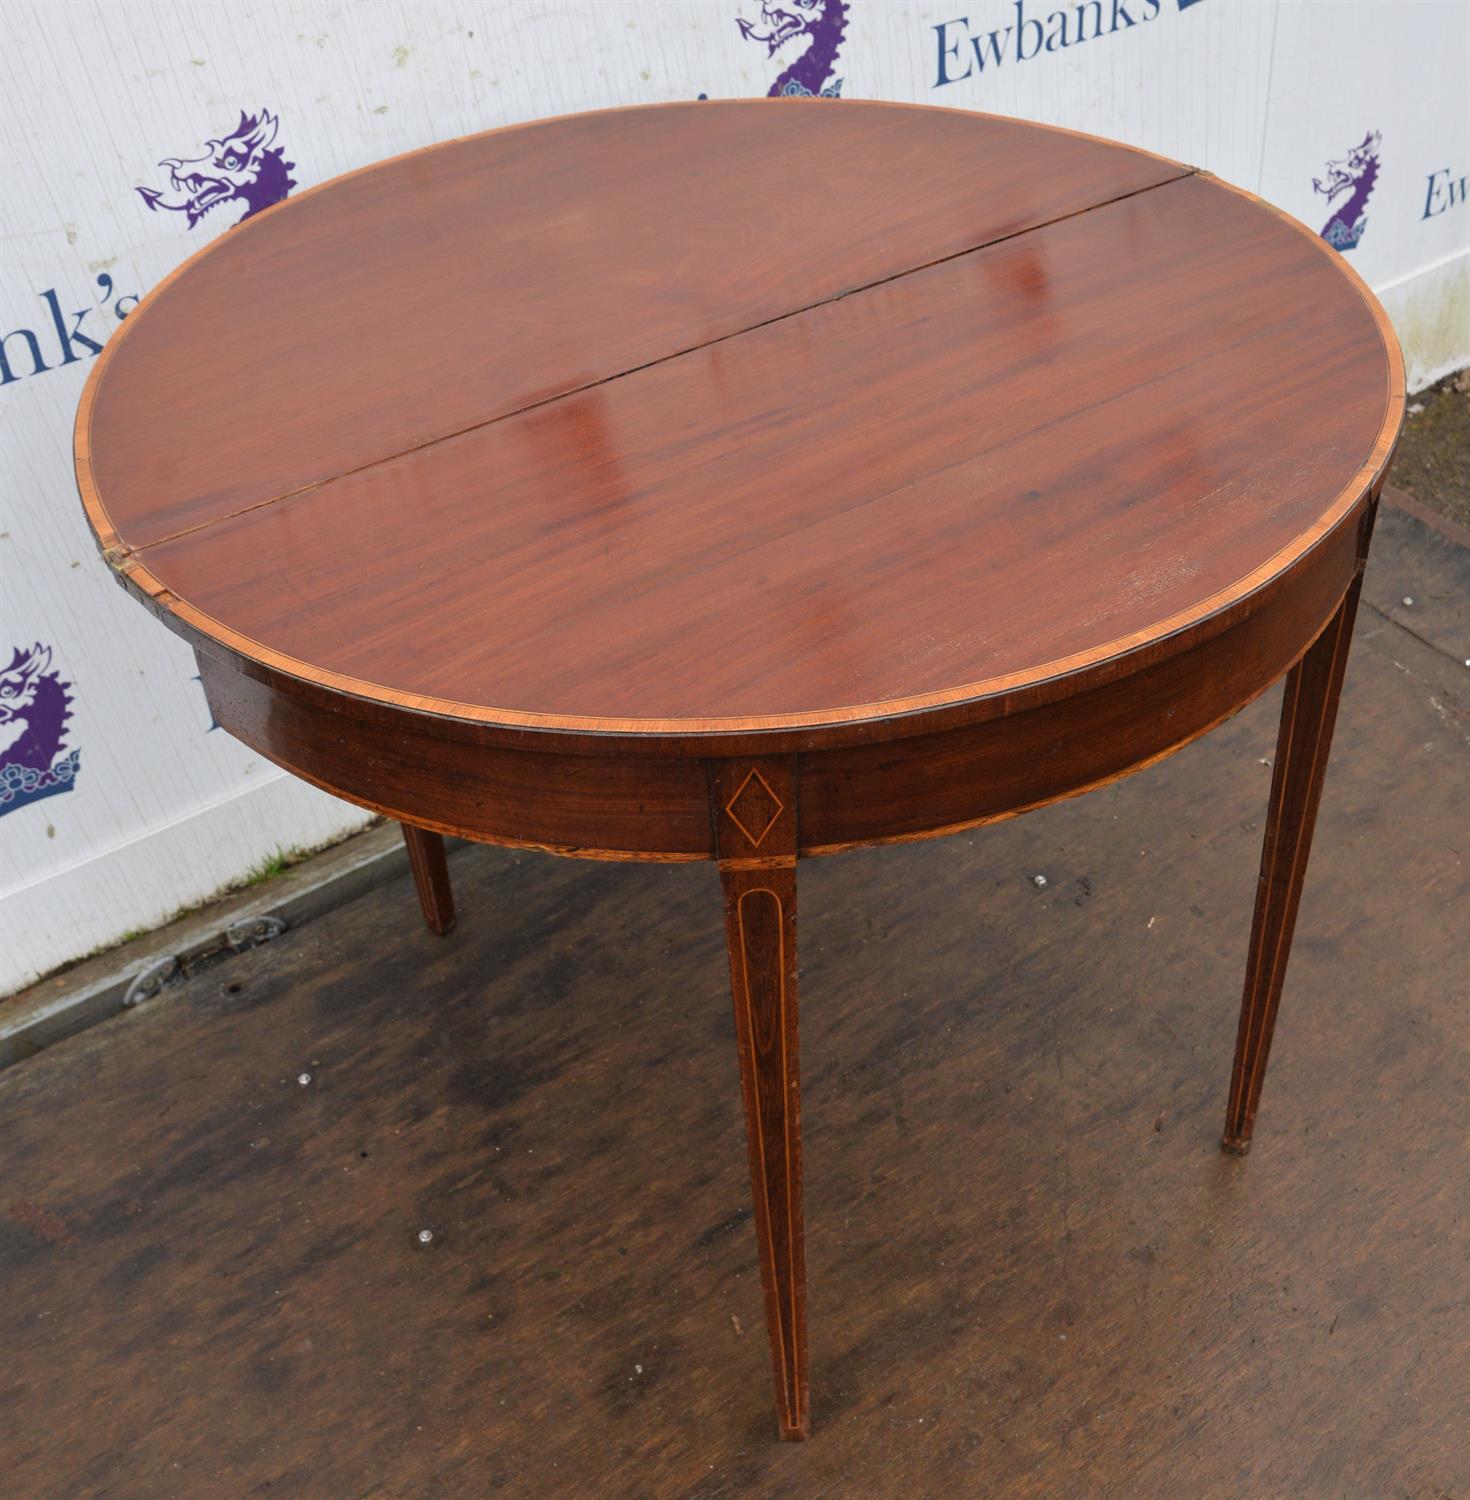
1033,1272
1433,461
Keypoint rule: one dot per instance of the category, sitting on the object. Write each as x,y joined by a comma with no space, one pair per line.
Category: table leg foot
1308,713
755,814
430,877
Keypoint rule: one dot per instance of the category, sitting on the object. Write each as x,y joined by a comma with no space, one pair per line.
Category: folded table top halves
734,415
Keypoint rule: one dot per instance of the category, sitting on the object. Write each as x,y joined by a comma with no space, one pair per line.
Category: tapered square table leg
1308,713
753,803
430,877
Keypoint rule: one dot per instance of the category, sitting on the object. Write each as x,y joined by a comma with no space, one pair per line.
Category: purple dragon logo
34,707
1355,175
822,24
244,167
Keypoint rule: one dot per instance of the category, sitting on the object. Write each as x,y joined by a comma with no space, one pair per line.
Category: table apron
442,775
942,782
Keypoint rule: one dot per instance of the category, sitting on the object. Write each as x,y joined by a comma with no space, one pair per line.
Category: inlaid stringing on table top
598,483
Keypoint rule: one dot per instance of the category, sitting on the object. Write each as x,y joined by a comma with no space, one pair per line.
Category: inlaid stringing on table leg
1308,714
753,804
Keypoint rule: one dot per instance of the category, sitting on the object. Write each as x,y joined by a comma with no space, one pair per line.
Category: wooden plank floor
1033,1272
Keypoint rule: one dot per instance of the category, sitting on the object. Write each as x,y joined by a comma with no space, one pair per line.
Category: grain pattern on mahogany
753,806
433,773
430,868
851,512
953,779
448,287
600,802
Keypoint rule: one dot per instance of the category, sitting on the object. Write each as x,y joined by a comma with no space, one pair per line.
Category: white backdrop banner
133,133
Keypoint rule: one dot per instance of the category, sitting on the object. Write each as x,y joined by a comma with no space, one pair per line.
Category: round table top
750,415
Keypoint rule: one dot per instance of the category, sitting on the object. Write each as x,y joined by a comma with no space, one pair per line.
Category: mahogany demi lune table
753,480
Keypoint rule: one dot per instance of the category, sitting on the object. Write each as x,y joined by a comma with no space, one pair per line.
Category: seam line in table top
777,536
1057,667
126,549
